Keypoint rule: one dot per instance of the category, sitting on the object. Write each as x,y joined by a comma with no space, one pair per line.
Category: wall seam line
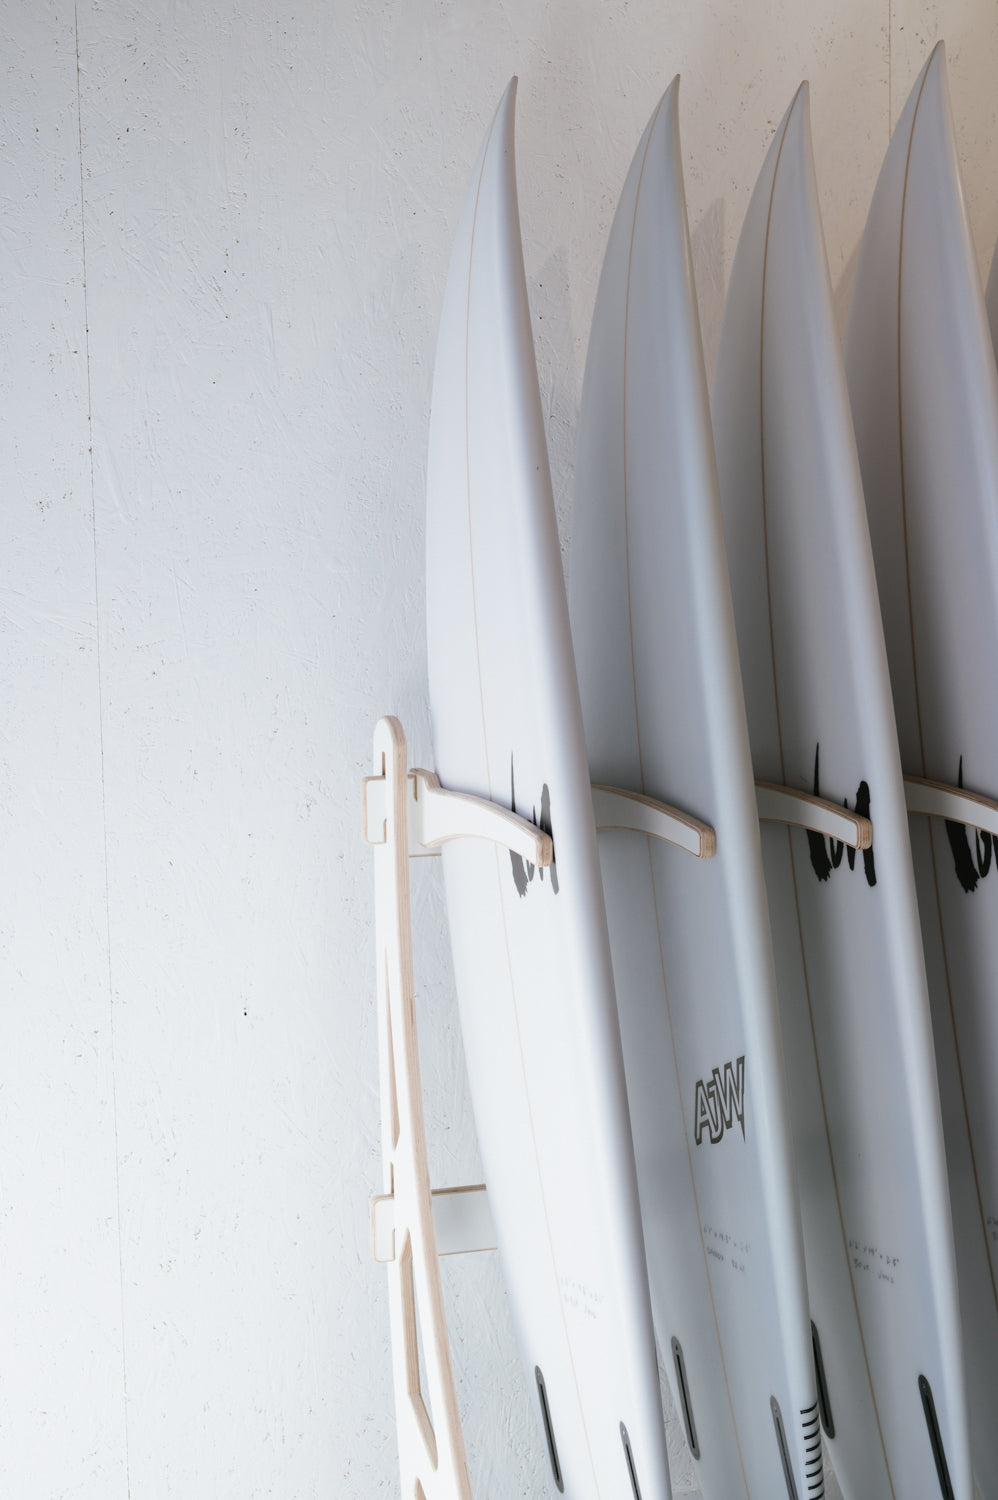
103,779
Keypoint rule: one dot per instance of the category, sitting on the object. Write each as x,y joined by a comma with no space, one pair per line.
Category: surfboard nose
666,117
933,137
506,109
793,172
492,181
499,152
791,149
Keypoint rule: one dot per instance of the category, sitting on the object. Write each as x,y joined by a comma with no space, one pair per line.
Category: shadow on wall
707,241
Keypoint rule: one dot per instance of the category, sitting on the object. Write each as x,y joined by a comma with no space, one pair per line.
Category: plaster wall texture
224,232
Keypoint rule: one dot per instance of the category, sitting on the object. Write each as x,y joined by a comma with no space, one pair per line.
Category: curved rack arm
614,808
434,816
936,800
785,804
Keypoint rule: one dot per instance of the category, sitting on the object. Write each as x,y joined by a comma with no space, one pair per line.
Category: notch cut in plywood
435,816
462,1221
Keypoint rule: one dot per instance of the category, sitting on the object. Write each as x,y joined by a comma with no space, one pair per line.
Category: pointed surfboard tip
499,138
929,99
798,117
800,105
496,173
932,73
665,116
935,72
507,104
796,122
503,127
668,104
798,114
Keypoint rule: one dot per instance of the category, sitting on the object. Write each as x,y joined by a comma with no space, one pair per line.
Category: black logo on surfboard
523,870
971,865
826,854
719,1101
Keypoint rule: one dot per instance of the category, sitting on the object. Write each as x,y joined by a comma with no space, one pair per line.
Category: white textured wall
224,231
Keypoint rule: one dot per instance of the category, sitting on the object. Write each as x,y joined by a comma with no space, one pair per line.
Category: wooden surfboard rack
407,813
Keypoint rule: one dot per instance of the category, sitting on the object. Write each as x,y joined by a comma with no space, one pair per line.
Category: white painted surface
188,1093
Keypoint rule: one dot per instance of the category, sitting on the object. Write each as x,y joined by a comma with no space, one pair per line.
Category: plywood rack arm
786,804
937,800
410,1224
614,808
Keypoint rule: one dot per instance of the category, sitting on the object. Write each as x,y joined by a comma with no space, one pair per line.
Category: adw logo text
720,1101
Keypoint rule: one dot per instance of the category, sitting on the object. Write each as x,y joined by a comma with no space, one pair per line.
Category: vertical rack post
431,1451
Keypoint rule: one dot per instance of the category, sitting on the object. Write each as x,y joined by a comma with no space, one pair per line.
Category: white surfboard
925,403
663,712
854,1001
531,953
